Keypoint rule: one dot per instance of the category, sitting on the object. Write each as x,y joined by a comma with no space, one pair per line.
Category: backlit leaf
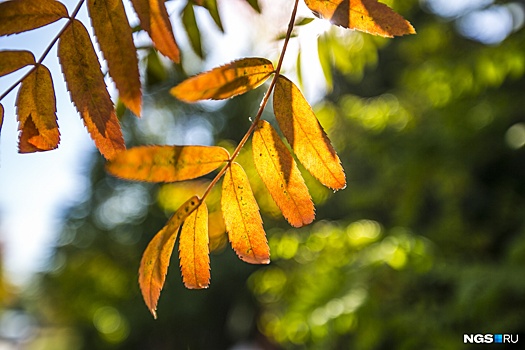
155,20
280,174
211,6
368,16
167,163
255,5
11,61
192,29
36,110
116,42
242,219
226,81
87,88
156,257
194,251
306,136
22,15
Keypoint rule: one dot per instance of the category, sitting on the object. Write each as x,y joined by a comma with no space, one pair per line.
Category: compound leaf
23,15
306,136
87,88
36,110
167,163
156,258
194,250
235,78
11,61
282,177
368,16
242,219
155,20
116,42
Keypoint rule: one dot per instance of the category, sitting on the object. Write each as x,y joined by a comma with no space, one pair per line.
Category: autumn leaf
11,61
116,42
242,219
36,110
155,20
282,177
87,88
167,163
235,78
306,136
194,251
22,15
368,16
156,257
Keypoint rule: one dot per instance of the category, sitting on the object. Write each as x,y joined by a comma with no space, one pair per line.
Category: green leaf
192,29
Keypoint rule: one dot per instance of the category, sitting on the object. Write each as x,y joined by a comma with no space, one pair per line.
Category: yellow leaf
36,110
306,136
242,219
280,174
87,88
154,19
194,251
367,16
116,42
167,163
11,61
235,78
22,15
156,257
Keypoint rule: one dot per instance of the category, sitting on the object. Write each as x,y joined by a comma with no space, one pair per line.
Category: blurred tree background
425,244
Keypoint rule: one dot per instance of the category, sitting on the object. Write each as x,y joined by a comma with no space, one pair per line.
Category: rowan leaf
156,258
242,219
18,16
255,5
192,29
36,110
282,177
155,20
368,16
194,250
211,6
114,36
306,136
167,163
235,78
11,61
87,89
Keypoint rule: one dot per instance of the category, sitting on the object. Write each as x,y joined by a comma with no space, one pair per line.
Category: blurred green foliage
426,243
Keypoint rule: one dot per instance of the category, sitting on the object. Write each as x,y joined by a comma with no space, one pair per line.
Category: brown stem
264,102
46,52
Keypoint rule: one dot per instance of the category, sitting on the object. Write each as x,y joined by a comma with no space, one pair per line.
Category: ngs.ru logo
490,338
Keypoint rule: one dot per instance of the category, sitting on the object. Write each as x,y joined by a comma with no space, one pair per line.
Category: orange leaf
365,15
235,78
87,88
116,42
156,257
155,20
23,15
11,61
36,110
306,136
167,163
242,218
194,251
280,174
